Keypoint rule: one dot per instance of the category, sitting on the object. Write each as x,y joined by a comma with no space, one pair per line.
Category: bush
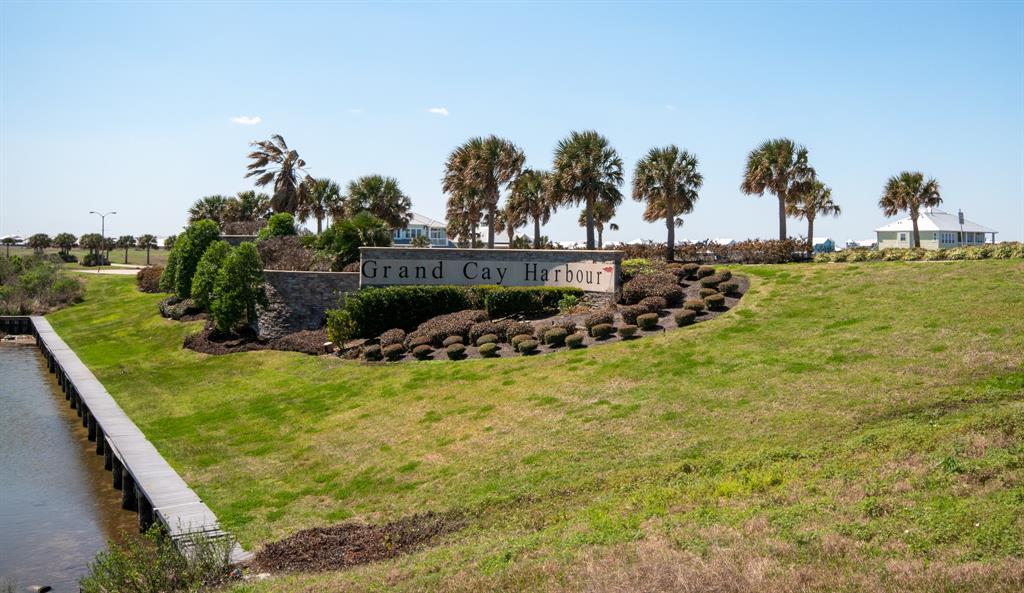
567,324
606,317
627,332
375,310
339,326
392,336
342,240
654,304
238,288
685,317
412,342
93,259
527,347
715,301
647,321
725,275
189,249
206,273
34,285
148,279
372,352
519,328
456,351
575,340
167,279
493,328
632,268
516,300
489,350
393,352
451,340
731,287
290,253
601,331
281,224
689,271
568,303
650,285
694,305
706,292
705,271
711,281
520,338
423,352
631,312
440,328
486,339
555,336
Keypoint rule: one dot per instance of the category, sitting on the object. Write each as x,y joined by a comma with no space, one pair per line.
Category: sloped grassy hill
846,427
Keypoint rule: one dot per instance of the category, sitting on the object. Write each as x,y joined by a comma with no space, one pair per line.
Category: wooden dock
148,483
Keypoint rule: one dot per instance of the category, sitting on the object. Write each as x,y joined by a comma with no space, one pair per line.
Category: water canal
57,508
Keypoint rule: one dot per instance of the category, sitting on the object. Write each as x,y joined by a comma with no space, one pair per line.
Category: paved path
109,271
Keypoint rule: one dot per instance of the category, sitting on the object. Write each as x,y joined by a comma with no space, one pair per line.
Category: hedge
372,311
489,350
575,340
1005,250
647,321
524,300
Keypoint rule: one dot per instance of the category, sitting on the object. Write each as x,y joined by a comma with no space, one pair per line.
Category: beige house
938,230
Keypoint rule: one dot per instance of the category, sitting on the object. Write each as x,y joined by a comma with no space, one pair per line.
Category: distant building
823,245
422,226
861,243
938,230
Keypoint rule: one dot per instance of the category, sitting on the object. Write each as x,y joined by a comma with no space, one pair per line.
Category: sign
502,267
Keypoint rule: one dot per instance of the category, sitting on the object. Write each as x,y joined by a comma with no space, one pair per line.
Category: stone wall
299,300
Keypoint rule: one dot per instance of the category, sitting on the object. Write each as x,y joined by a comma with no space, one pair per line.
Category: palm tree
248,206
603,213
125,242
530,199
39,241
214,207
487,164
586,170
8,241
321,197
273,162
65,241
146,242
813,200
778,166
910,191
465,204
668,180
381,197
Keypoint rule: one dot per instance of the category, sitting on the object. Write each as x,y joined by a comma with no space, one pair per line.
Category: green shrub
706,292
519,339
372,352
568,303
694,305
206,273
339,326
487,339
489,350
519,328
148,279
414,341
725,275
705,271
375,310
442,327
690,271
393,352
167,279
451,340
238,288
190,247
601,331
456,351
647,321
605,317
281,224
34,285
711,281
685,317
632,268
715,301
527,347
731,287
654,304
523,300
392,336
631,312
575,340
423,352
342,240
555,336
495,328
650,285
627,332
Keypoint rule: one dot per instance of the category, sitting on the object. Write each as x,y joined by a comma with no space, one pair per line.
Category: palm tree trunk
126,256
670,220
490,228
782,218
590,222
319,224
600,235
147,255
810,235
536,232
917,235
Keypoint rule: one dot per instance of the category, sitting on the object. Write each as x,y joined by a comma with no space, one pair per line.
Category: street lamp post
103,236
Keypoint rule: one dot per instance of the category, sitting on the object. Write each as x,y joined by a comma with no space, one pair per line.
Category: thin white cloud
442,111
247,120
355,110
670,107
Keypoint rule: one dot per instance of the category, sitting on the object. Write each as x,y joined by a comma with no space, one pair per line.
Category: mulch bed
210,341
351,544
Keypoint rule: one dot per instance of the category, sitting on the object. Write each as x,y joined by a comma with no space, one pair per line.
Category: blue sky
129,107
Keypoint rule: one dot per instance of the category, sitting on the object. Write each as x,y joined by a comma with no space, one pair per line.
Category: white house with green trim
938,230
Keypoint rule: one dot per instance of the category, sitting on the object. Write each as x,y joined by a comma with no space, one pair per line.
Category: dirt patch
351,544
210,341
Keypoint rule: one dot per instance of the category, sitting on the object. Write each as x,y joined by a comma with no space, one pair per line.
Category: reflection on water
57,508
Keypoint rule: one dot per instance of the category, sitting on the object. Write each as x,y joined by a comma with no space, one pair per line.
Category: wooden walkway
148,483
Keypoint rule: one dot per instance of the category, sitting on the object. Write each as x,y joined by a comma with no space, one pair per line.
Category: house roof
933,219
426,221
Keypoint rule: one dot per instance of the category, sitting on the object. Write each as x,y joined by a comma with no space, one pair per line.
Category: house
823,245
938,230
861,243
422,226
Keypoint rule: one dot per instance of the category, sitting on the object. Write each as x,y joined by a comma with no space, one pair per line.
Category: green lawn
157,257
846,428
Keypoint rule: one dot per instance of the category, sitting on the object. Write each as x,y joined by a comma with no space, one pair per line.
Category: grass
157,257
846,428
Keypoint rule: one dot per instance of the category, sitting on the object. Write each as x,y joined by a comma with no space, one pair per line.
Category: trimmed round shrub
694,305
711,281
372,352
528,346
648,285
422,352
393,352
487,339
705,271
489,350
627,332
706,292
392,336
519,328
690,270
498,329
148,279
654,304
647,321
631,312
601,330
567,324
606,317
452,324
452,340
516,340
456,351
685,317
725,275
575,340
731,287
413,341
715,301
555,336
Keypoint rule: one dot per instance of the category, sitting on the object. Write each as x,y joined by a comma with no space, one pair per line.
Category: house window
903,237
437,233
